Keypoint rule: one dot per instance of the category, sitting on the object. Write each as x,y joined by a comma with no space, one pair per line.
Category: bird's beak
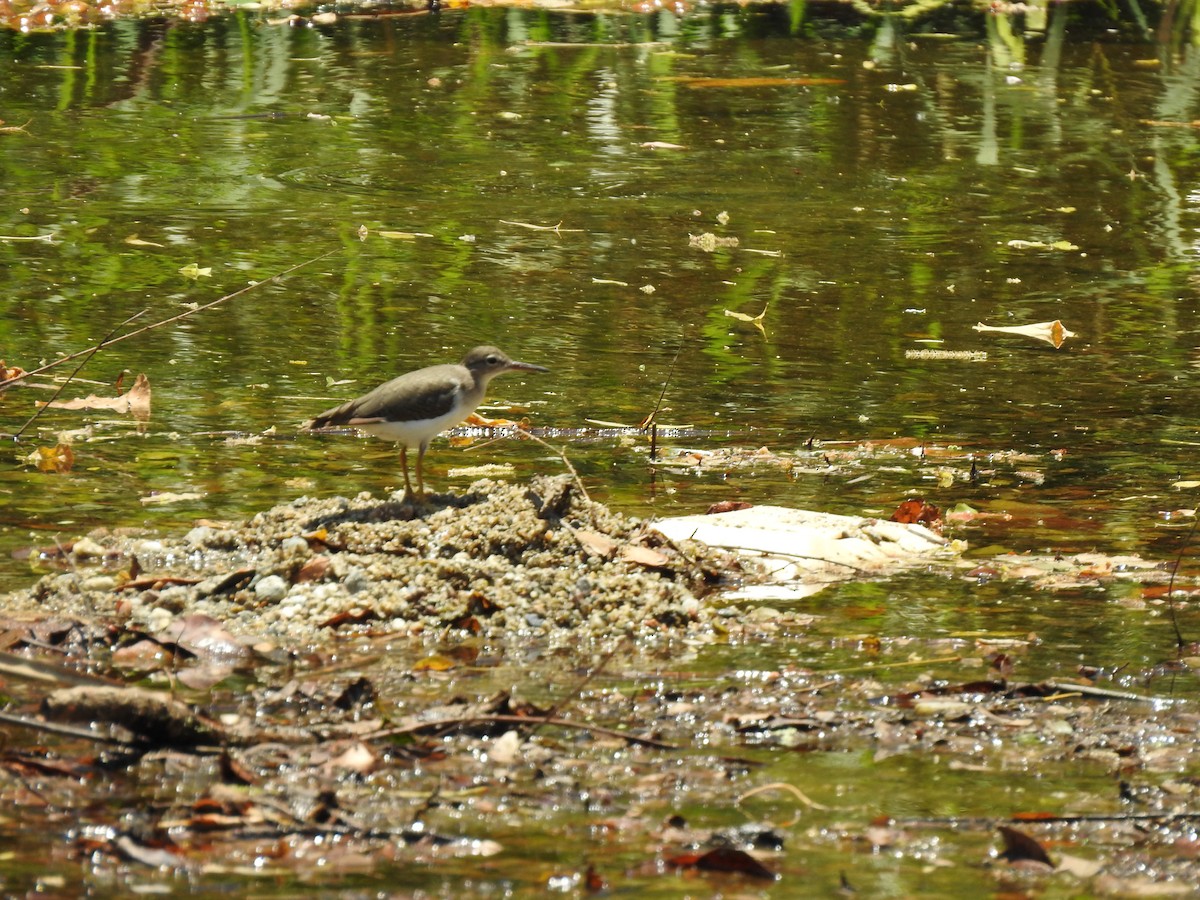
526,367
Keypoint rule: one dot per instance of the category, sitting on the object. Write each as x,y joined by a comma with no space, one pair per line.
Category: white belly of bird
416,432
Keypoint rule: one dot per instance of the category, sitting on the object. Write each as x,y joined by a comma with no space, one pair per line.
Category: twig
1179,641
1087,690
986,822
562,454
172,319
48,237
650,420
576,691
463,721
782,786
83,362
878,667
86,734
780,554
557,229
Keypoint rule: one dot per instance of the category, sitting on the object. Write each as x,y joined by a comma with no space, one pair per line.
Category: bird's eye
493,359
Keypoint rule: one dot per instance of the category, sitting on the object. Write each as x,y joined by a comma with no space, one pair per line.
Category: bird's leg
420,475
408,491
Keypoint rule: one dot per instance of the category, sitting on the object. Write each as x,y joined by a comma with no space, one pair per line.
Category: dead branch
467,721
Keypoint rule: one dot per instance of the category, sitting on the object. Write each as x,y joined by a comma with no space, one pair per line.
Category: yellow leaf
756,321
434,663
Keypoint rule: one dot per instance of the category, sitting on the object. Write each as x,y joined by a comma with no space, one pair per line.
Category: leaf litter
340,701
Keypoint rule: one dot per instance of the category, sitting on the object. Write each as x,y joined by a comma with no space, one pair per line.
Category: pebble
271,588
85,547
198,536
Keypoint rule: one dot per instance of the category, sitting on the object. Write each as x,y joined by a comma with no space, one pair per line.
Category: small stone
198,536
158,619
87,547
271,588
763,614
98,583
357,580
175,598
295,544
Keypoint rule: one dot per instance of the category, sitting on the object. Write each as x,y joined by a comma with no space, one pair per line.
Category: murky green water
874,179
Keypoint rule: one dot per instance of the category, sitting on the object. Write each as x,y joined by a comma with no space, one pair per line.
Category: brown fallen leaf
723,859
724,506
135,401
1020,847
9,373
1050,332
916,511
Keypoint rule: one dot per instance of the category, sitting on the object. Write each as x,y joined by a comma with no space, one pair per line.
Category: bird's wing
435,399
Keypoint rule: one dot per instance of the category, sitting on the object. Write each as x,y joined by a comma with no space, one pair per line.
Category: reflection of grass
1005,27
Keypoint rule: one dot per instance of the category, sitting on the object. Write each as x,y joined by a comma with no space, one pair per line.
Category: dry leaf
194,271
170,497
135,401
59,458
1050,332
357,758
756,321
435,663
597,543
644,556
134,241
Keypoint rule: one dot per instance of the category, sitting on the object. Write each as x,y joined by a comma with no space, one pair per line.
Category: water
873,177
873,181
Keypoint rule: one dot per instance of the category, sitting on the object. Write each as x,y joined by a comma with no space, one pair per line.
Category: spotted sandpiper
416,407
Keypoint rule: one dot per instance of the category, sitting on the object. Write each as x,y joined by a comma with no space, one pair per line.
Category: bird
415,407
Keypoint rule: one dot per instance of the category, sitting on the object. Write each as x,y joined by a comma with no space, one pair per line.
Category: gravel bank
502,560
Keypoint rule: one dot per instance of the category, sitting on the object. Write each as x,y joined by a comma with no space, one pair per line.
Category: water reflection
875,184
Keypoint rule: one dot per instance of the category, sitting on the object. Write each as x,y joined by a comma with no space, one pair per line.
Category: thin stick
562,454
1179,641
83,362
86,734
172,319
896,665
464,721
649,422
577,691
557,229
